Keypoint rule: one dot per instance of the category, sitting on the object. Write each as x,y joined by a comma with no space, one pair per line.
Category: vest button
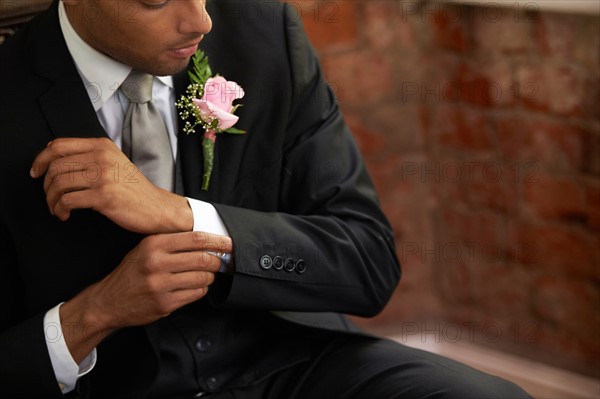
212,383
204,344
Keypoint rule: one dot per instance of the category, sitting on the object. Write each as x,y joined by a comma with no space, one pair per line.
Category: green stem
208,150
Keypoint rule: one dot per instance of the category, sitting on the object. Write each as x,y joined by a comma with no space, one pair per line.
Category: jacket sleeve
328,247
25,367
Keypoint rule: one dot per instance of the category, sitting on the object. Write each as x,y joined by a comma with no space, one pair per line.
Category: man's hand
160,275
94,173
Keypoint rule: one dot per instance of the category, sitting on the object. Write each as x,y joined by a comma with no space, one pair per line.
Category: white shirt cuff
207,219
65,369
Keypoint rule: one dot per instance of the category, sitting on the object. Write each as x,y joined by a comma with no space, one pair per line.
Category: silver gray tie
145,136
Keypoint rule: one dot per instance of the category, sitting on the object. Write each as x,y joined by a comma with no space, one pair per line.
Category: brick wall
481,130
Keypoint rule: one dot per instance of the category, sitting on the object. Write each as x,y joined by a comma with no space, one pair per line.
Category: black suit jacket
293,186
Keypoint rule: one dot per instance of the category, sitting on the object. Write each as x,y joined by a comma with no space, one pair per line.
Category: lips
184,52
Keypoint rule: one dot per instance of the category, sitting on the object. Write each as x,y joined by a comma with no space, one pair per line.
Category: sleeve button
278,263
300,266
266,262
289,265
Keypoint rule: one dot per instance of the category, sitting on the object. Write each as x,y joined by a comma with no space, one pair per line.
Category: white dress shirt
102,77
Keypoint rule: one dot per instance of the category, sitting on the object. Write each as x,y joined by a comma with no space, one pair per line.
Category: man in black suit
111,287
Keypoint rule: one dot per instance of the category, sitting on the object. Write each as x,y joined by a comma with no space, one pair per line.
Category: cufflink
226,264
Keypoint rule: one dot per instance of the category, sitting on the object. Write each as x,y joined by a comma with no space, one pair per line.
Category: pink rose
217,101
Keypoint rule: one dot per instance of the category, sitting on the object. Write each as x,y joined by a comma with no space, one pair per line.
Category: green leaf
233,130
201,71
194,78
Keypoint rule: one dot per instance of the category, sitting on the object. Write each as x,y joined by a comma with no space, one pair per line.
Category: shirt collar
101,74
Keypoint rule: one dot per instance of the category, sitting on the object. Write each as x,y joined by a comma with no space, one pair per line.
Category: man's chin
172,68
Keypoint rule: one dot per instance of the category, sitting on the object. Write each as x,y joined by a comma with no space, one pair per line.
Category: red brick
491,185
503,291
556,34
535,144
329,24
554,249
443,174
497,30
449,28
474,183
447,79
379,134
485,82
569,303
555,197
415,234
591,152
456,283
415,85
461,128
417,283
382,172
592,194
574,38
392,184
370,141
362,78
384,26
478,184
482,233
559,89
587,46
406,136
435,80
592,197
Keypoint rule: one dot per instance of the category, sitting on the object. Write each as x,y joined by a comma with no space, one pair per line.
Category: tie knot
138,87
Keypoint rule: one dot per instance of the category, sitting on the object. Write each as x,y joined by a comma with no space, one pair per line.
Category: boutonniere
208,101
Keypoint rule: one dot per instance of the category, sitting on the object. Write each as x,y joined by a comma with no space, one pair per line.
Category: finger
67,167
66,202
194,241
65,185
199,240
190,280
191,261
60,148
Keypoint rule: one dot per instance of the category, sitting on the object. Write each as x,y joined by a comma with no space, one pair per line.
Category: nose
194,17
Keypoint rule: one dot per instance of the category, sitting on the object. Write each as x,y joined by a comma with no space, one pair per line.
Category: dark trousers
370,368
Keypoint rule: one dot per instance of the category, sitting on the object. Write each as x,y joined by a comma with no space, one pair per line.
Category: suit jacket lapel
54,62
70,93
